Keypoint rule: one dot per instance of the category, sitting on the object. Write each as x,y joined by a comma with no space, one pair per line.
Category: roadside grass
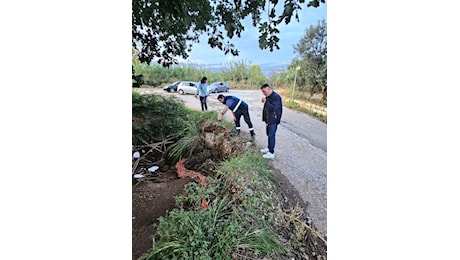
155,117
244,218
243,204
190,139
247,215
302,95
296,106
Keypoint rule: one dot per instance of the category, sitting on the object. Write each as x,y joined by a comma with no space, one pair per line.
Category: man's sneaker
265,150
269,155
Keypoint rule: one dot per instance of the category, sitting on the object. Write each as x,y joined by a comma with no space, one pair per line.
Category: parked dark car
172,87
218,87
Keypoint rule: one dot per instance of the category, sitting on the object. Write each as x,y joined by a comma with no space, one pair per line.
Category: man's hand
196,96
264,99
219,116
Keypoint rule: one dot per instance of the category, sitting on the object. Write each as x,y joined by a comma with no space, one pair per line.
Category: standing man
239,108
202,90
273,108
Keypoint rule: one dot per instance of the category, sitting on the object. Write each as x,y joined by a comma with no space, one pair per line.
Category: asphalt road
300,152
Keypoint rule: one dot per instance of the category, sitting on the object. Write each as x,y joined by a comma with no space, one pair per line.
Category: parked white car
187,87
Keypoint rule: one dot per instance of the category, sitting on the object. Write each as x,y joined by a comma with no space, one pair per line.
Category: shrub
155,117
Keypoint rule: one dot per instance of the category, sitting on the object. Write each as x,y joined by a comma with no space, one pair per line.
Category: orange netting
183,172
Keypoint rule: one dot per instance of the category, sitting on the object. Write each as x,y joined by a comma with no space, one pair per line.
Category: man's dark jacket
273,108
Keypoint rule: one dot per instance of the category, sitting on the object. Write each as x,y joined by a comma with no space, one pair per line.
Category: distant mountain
267,68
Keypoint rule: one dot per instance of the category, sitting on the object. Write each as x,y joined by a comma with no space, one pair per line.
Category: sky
248,46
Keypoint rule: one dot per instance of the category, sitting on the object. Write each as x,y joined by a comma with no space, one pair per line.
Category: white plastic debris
136,155
153,168
138,176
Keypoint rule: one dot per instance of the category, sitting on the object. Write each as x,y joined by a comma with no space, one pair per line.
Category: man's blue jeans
271,131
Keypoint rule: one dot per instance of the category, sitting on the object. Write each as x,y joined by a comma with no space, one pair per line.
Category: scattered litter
154,168
204,204
138,176
249,190
136,155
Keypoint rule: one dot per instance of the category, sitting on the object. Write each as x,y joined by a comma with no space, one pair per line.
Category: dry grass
300,97
241,85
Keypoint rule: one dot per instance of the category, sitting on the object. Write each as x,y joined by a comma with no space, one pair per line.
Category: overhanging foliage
163,30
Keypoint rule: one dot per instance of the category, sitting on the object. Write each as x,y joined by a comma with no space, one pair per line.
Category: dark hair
203,79
220,96
265,86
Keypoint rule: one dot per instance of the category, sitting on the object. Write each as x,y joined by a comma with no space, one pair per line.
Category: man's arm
221,114
224,110
278,108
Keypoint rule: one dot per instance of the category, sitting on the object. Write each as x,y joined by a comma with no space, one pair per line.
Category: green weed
209,234
235,222
155,117
190,135
251,164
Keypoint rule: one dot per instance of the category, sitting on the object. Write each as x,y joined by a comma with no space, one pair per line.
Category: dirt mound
219,140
